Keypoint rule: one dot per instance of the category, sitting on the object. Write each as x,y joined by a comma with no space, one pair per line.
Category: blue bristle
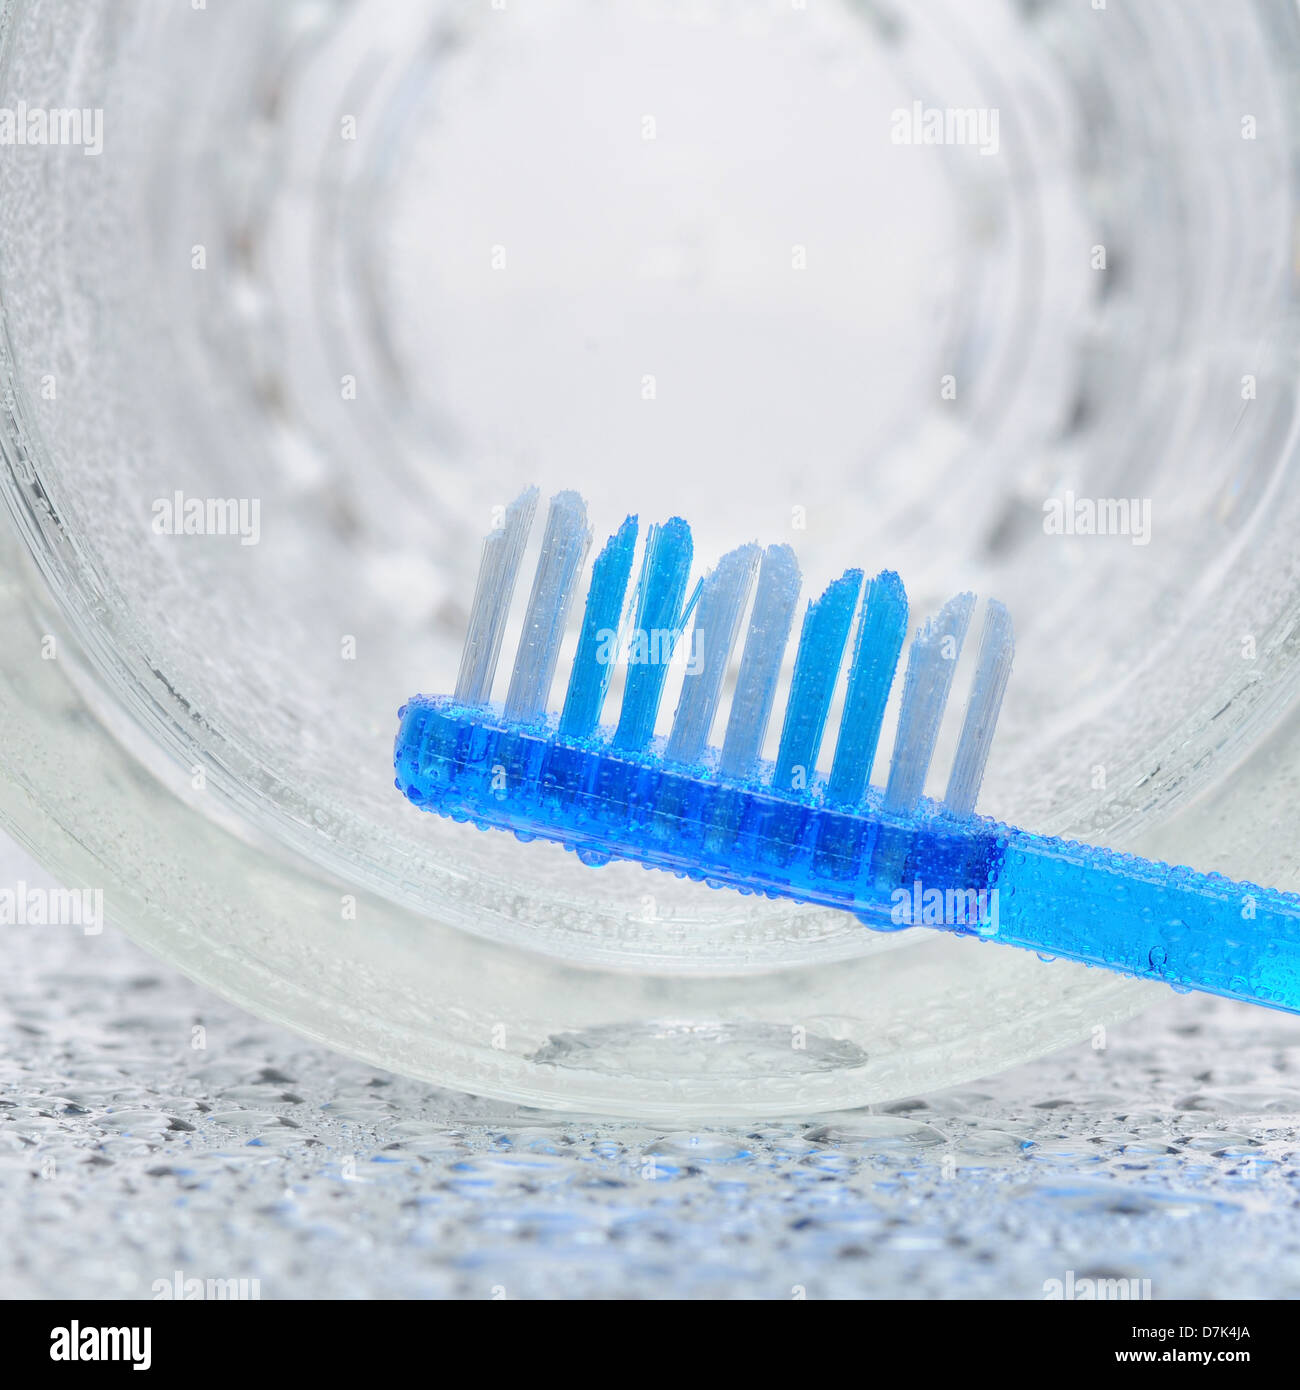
717,624
601,620
930,666
760,664
881,630
816,669
659,616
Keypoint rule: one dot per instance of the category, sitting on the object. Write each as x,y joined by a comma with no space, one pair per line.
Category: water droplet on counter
875,1133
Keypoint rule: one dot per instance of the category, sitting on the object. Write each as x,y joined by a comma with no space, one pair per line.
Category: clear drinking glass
376,267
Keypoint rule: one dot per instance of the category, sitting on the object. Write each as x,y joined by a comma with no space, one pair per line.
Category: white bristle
564,548
997,648
760,663
503,549
717,624
930,666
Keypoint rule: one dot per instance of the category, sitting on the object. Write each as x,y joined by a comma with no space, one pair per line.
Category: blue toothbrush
891,856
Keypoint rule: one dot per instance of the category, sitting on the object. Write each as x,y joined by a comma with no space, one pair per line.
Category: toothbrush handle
1193,931
1056,897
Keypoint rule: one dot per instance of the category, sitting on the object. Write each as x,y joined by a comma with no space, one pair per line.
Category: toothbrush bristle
717,603
930,666
760,662
601,621
660,613
564,548
503,549
717,624
993,667
817,665
882,628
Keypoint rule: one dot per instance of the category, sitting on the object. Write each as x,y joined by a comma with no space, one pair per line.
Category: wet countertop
152,1134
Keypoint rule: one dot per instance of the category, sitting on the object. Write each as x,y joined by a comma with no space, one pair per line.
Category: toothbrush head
644,627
